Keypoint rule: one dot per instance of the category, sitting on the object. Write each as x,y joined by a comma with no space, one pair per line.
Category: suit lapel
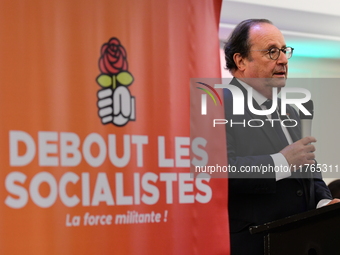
267,129
295,132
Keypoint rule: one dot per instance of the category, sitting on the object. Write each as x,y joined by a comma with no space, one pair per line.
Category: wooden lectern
316,232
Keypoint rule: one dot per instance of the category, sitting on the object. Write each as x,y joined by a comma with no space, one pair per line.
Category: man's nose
282,59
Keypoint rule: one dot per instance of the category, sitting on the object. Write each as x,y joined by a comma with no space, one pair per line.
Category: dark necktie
276,124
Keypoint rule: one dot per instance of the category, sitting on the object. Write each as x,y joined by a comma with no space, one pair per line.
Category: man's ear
239,61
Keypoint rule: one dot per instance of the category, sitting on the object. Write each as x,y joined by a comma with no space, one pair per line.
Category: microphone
306,120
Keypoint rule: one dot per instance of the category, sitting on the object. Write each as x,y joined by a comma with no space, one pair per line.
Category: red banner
95,131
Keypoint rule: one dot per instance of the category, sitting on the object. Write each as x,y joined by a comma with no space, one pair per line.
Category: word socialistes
92,189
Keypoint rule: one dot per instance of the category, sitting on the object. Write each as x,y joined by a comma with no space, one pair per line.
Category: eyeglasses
274,53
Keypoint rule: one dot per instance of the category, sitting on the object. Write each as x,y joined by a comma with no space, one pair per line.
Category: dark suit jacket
257,198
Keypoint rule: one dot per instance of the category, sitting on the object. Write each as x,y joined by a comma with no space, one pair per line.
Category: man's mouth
280,74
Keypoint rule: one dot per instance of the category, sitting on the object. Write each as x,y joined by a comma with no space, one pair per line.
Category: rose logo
115,103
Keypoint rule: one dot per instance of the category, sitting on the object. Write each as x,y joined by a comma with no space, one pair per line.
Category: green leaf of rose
125,78
104,80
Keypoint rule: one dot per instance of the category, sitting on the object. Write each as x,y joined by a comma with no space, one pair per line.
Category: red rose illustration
113,57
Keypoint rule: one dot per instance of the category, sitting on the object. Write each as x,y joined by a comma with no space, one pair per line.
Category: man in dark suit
257,57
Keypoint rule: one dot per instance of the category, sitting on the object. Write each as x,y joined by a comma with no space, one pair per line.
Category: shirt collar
258,97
